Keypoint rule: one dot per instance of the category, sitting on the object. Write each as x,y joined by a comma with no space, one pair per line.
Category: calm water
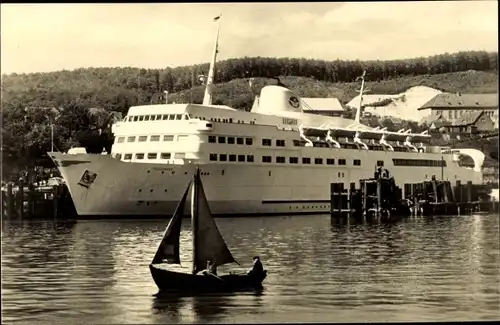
421,269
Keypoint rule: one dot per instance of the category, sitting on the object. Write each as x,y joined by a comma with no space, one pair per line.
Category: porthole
139,190
149,171
165,190
151,190
163,172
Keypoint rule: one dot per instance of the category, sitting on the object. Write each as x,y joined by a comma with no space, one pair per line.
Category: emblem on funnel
294,101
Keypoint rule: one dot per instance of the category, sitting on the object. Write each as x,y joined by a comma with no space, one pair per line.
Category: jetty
22,200
380,198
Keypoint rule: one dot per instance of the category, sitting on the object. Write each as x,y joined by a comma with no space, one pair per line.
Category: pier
380,198
28,201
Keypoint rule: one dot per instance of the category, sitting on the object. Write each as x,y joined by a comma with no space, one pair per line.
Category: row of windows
419,162
151,155
248,141
280,159
157,117
230,140
232,157
152,138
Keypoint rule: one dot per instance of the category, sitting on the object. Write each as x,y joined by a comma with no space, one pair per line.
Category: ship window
154,138
171,116
230,140
248,141
232,157
380,163
296,143
136,118
223,157
212,139
139,156
146,118
230,120
168,138
318,161
250,158
306,160
127,156
178,116
186,116
165,117
280,143
280,160
342,161
120,140
158,117
241,158
356,162
143,138
141,118
213,157
182,137
266,142
153,117
165,155
118,156
293,160
179,155
330,161
239,140
130,139
222,139
153,155
266,159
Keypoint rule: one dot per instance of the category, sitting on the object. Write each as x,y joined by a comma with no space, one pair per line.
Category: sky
50,37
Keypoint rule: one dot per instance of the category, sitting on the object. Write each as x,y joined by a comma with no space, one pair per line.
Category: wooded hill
26,128
119,88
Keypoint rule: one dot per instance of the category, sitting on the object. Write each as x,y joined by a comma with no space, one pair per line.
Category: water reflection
436,268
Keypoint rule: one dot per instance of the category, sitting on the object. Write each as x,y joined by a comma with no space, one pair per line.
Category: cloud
46,37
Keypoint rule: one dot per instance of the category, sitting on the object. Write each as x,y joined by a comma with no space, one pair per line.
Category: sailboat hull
184,282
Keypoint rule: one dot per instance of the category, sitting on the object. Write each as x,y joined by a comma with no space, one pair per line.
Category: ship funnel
274,99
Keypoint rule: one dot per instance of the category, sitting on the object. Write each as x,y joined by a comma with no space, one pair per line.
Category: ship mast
361,91
207,98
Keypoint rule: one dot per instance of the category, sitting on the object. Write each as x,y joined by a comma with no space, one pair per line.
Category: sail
168,250
208,243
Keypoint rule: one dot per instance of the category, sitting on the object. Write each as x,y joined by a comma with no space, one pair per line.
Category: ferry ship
274,159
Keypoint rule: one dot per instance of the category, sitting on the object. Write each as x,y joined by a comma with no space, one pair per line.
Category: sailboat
208,245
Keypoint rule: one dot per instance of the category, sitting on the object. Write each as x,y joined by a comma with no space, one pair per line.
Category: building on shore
322,106
454,108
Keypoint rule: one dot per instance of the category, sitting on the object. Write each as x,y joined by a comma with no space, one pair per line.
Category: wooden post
10,201
458,192
31,194
434,190
469,191
365,194
55,193
379,197
20,199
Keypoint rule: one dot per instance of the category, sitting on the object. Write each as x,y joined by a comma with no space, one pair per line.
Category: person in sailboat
211,268
257,267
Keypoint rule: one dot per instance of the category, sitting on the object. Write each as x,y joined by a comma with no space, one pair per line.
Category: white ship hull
147,189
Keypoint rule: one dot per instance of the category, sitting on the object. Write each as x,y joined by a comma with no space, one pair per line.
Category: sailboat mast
207,98
194,215
358,112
